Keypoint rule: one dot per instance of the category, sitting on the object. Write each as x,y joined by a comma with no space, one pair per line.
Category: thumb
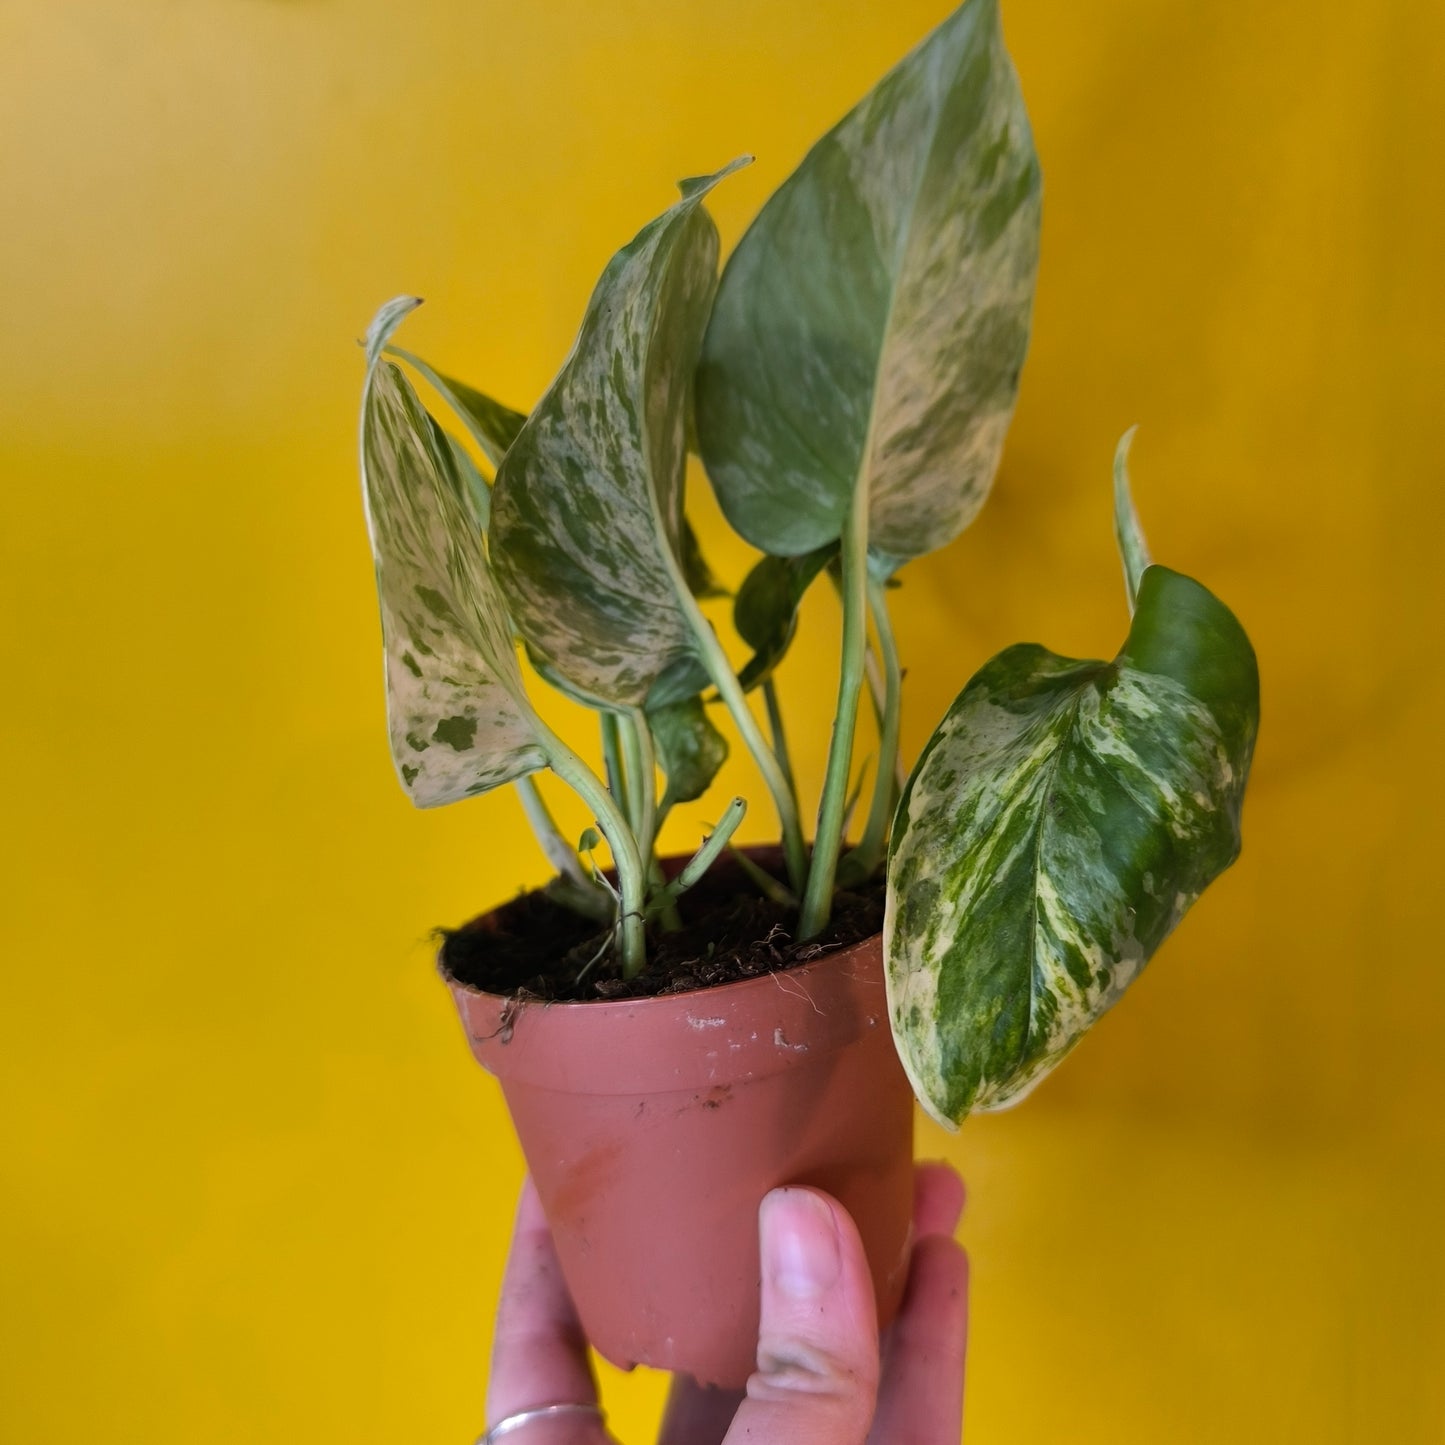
817,1376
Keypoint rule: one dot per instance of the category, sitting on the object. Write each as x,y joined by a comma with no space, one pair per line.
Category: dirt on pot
535,947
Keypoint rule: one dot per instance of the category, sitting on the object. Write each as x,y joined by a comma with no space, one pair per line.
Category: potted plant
676,1036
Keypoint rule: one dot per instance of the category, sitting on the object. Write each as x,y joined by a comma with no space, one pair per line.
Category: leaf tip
923,1086
694,186
385,322
1133,549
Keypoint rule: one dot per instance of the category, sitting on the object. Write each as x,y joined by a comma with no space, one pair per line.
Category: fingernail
799,1243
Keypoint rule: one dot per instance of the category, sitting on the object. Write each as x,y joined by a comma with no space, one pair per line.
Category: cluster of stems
629,814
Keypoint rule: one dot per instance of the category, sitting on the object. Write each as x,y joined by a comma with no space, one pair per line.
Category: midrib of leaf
901,249
709,652
670,561
822,870
687,603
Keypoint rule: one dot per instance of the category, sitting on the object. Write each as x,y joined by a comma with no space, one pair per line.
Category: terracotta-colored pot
653,1128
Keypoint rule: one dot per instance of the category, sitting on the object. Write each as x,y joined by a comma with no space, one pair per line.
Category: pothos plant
847,384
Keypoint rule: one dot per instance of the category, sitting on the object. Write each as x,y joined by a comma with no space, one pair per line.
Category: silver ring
541,1412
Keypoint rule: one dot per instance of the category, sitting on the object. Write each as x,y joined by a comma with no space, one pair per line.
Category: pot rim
597,1005
674,863
730,1033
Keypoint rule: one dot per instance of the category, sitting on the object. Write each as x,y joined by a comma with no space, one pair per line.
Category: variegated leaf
587,511
1058,825
458,718
472,479
870,328
494,427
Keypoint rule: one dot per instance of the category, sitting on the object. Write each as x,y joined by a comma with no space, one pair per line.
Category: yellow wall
252,1186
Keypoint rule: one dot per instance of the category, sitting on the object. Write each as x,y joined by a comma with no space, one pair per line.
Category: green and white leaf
494,427
1060,822
458,719
870,328
476,484
690,749
587,512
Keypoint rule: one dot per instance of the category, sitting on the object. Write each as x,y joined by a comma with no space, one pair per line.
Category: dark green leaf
690,750
698,575
765,611
681,679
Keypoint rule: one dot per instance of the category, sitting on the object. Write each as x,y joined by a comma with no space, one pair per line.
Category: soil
534,947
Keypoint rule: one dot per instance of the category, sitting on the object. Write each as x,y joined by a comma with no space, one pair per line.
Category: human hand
823,1376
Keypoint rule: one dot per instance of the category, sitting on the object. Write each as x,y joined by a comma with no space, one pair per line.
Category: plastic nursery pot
653,1128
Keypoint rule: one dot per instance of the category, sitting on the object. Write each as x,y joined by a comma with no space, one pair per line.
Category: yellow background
253,1188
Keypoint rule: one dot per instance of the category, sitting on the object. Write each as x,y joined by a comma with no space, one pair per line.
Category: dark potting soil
537,947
